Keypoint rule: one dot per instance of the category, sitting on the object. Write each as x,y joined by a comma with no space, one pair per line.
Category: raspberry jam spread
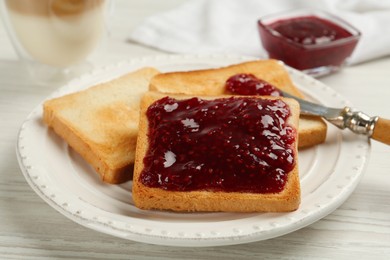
235,144
248,84
310,30
308,41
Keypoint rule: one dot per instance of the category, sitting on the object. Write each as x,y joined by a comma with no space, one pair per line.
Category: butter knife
374,127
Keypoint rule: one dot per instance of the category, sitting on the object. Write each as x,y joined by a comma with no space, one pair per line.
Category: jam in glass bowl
312,41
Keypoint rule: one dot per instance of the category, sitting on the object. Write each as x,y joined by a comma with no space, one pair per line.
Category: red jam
235,144
307,42
310,30
248,84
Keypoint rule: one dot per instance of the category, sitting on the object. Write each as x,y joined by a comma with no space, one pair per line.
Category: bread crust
154,198
101,123
312,130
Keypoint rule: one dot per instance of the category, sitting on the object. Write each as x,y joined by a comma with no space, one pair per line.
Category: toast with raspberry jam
217,153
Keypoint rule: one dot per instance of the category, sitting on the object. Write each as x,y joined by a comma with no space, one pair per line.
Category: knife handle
381,131
375,127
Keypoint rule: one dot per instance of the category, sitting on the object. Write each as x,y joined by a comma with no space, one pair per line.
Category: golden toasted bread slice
101,123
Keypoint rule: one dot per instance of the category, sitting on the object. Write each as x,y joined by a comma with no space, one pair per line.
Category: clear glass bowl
294,37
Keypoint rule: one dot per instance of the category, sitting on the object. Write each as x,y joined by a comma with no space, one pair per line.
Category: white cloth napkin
216,26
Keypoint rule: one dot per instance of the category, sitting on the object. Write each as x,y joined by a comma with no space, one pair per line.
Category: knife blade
358,122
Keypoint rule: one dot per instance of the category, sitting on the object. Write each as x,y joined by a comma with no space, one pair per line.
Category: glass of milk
53,38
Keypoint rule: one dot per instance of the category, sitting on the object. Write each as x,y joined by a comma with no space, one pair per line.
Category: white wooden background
30,229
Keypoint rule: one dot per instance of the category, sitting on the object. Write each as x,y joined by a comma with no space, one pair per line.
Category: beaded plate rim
149,231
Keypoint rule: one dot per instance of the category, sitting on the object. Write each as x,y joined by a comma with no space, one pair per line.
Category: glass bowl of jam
313,41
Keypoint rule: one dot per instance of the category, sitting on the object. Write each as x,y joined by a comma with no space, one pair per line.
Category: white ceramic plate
329,173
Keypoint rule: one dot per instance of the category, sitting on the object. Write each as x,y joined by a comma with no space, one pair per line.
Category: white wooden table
30,229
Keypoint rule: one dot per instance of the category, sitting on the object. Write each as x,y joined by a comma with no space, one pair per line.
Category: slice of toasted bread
101,123
312,130
151,197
